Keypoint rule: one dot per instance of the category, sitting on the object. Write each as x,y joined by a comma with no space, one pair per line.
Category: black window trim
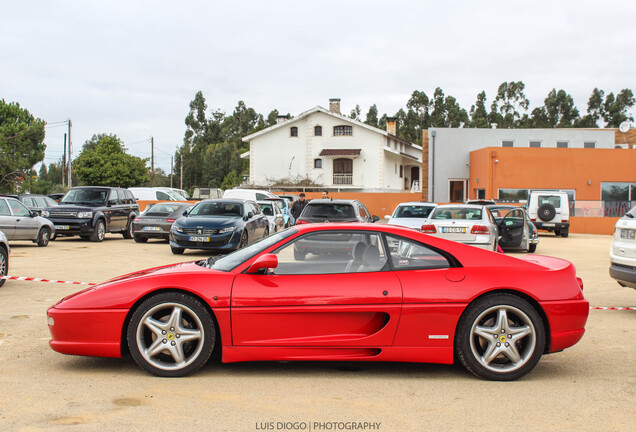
452,261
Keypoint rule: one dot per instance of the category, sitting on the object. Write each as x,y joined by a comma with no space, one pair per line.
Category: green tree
510,100
104,162
615,108
372,116
272,118
231,180
355,113
478,112
420,104
438,114
21,144
560,109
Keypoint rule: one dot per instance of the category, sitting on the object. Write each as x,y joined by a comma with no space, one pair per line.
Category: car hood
207,222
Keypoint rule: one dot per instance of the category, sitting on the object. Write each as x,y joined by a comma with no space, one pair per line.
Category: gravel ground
589,387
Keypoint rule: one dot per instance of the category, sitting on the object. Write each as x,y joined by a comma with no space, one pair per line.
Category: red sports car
359,292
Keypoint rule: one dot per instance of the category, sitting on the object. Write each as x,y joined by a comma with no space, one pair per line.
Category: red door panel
316,310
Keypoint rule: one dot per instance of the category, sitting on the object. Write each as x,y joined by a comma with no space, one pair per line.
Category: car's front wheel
4,264
243,241
500,337
44,236
99,232
177,251
171,334
140,239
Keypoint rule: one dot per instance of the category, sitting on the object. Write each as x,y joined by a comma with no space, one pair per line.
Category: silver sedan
19,223
464,223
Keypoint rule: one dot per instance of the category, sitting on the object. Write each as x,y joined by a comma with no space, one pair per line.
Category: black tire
492,359
99,231
129,233
85,237
532,248
266,232
243,241
44,236
4,264
298,255
565,232
546,212
171,328
140,239
177,251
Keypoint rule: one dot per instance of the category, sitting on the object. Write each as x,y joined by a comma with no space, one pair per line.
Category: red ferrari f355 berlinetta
358,292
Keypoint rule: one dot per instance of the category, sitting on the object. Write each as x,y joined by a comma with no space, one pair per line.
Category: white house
334,151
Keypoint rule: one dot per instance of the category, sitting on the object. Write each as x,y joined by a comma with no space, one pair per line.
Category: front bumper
220,242
75,226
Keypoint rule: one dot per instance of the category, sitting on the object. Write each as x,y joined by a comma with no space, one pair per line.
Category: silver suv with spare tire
550,211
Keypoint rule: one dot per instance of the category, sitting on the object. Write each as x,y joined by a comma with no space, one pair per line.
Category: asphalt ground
589,387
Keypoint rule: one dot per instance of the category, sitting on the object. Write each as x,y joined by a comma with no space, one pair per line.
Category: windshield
457,213
231,261
631,213
175,195
85,196
329,211
412,211
217,208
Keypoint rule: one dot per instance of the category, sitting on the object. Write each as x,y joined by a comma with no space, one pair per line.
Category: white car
411,214
154,194
274,215
464,223
550,210
248,194
623,251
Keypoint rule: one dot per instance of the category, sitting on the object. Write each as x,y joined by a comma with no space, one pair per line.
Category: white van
154,194
249,194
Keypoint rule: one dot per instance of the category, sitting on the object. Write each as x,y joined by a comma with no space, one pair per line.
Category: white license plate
151,228
198,239
627,234
62,227
461,230
549,224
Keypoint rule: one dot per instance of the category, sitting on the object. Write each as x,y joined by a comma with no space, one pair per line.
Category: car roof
472,206
232,200
424,204
331,201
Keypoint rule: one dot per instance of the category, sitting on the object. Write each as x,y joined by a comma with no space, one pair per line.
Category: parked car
34,202
17,222
465,223
155,194
426,300
4,256
550,210
156,221
92,211
623,251
291,197
515,236
220,225
274,215
56,196
285,206
337,210
201,193
248,194
180,192
411,214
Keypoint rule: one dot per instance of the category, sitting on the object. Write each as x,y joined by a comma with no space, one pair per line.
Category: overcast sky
132,67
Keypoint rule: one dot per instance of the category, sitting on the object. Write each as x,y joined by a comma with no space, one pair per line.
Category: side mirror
185,212
111,203
375,218
250,215
262,263
33,214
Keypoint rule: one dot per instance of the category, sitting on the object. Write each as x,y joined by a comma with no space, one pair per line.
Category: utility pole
64,161
70,180
152,160
181,175
171,168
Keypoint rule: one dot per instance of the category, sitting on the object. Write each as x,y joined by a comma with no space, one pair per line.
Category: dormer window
342,130
293,131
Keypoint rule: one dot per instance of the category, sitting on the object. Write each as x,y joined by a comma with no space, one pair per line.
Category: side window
18,208
255,209
332,253
162,196
4,208
40,202
122,196
261,197
112,196
28,202
410,255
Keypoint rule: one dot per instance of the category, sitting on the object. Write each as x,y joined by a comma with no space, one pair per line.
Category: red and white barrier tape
612,308
32,279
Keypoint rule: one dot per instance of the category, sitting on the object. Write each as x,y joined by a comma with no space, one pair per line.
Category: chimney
281,118
391,125
334,105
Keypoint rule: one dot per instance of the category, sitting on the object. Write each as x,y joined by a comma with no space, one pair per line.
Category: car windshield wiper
629,215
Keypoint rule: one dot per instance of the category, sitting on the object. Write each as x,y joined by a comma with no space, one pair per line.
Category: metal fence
343,179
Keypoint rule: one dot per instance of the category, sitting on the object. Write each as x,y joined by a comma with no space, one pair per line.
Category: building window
562,144
342,130
615,191
317,163
480,193
507,143
535,143
342,171
293,131
318,130
589,144
513,194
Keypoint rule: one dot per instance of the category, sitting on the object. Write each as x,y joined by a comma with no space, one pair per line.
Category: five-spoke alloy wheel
500,337
171,334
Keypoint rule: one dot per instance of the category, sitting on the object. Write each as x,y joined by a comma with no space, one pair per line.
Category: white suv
550,210
623,251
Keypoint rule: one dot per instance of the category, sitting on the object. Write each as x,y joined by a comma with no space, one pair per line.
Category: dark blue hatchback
221,225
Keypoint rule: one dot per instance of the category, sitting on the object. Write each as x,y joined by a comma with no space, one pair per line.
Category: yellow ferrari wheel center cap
170,336
502,338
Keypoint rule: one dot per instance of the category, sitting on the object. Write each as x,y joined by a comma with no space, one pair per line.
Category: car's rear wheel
565,232
4,264
171,334
99,232
140,239
500,337
44,236
129,233
177,251
243,240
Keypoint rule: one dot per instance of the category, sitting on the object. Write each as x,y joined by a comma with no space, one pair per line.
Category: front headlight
177,228
227,230
84,215
45,213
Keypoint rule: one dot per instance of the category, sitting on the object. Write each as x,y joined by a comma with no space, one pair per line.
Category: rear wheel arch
123,337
